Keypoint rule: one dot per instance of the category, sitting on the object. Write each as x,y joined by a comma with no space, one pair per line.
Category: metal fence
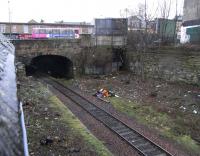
10,142
6,43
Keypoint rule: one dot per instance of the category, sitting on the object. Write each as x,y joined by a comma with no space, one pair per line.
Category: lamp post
176,20
145,5
126,11
9,15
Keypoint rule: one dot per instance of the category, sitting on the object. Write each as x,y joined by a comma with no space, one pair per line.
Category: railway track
143,145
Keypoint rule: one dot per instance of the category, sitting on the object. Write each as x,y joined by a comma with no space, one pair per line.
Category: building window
14,29
2,28
25,29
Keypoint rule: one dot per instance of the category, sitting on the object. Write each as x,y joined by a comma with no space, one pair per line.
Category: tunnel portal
54,65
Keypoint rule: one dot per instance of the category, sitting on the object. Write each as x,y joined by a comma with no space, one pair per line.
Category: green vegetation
188,143
192,63
167,126
33,94
78,128
46,117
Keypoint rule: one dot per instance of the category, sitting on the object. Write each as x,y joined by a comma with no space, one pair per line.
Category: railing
4,41
6,48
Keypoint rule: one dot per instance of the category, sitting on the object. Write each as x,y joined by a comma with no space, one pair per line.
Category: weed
168,127
78,127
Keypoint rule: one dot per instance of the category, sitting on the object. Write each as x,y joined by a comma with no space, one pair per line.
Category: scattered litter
104,93
158,86
114,77
189,91
116,95
73,150
153,94
195,112
57,139
182,107
46,141
127,82
57,114
25,103
185,95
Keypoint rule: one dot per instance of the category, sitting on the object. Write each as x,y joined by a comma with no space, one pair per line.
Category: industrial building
166,29
111,31
190,32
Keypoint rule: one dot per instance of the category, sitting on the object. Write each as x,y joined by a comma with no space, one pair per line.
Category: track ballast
136,140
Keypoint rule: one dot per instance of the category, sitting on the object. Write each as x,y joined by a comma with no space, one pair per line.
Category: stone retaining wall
171,65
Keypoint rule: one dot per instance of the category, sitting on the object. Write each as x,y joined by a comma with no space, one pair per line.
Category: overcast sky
72,10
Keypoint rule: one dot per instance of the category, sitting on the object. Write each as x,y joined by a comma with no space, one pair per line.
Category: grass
158,120
39,98
77,127
144,114
168,127
189,143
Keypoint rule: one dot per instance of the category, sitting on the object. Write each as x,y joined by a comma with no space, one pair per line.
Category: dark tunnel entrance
119,58
54,65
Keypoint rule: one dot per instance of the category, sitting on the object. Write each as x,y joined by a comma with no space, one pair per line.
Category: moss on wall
168,64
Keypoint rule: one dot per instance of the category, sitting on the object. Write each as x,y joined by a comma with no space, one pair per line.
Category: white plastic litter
195,111
182,107
158,86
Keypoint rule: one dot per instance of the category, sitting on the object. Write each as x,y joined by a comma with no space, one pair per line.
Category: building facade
166,29
191,12
111,31
24,30
190,31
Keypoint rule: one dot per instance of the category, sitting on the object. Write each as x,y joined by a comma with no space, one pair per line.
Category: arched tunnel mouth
54,65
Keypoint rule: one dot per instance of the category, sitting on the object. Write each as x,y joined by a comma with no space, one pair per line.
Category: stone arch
55,65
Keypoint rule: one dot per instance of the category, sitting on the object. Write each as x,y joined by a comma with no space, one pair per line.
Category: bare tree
165,8
140,38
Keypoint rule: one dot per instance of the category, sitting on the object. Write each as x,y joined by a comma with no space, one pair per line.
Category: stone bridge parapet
28,49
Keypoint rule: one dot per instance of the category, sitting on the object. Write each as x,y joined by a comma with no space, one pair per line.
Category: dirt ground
171,109
51,128
179,102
